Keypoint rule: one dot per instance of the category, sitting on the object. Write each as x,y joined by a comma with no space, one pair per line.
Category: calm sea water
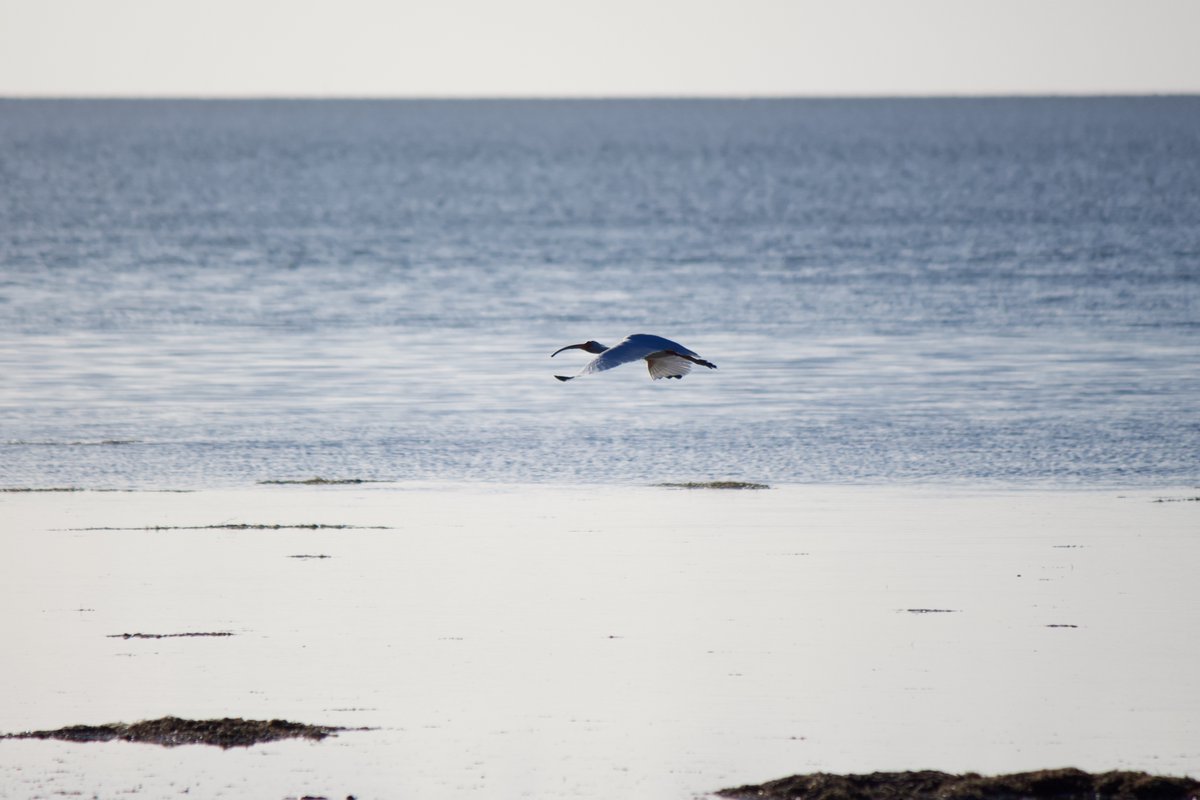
951,291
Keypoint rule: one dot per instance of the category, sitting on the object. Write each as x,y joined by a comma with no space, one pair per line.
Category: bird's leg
694,360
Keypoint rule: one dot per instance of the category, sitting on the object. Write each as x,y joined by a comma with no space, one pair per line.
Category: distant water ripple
954,291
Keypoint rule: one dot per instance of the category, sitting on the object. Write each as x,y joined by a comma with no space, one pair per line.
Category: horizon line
750,96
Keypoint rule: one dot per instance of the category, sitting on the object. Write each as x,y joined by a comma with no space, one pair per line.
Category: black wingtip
564,377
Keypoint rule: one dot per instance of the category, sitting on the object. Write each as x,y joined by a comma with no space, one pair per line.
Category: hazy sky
596,47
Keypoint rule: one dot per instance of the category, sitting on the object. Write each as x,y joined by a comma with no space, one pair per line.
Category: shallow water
204,294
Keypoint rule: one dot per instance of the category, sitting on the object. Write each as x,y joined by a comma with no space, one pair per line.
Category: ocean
981,292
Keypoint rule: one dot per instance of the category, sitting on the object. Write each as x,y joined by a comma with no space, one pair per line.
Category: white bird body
665,358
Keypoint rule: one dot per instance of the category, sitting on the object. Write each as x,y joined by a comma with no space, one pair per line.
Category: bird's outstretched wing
631,348
666,365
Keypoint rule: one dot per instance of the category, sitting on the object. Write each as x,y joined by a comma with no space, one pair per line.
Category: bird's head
589,346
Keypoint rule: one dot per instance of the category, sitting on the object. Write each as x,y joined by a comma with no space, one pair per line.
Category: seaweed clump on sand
1048,784
31,489
318,481
713,485
243,526
173,731
167,635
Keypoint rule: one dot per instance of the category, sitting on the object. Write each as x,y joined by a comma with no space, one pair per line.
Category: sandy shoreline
505,641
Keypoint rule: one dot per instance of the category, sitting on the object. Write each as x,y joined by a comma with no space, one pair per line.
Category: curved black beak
569,347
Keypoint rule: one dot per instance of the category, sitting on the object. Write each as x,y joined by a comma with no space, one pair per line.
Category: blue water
983,292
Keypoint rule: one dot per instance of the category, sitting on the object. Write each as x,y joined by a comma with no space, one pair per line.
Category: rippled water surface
982,291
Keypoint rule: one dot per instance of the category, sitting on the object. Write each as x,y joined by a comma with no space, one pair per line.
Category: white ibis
665,358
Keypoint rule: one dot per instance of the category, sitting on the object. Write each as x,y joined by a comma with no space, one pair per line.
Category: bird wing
632,348
653,344
665,365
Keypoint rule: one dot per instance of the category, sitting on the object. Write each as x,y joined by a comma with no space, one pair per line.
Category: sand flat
517,641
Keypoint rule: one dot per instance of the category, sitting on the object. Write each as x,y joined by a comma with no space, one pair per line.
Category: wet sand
645,642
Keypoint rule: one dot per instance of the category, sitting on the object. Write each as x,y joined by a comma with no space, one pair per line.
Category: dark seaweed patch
1050,784
165,635
242,526
932,610
173,731
32,489
713,485
318,482
35,489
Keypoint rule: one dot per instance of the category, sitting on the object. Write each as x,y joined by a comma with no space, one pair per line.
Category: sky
487,48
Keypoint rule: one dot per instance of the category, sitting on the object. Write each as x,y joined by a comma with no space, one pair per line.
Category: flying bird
666,359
